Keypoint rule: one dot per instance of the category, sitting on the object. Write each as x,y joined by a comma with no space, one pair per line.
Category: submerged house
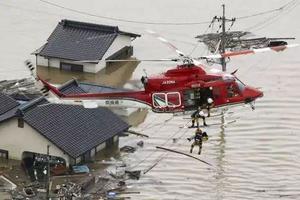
73,132
84,47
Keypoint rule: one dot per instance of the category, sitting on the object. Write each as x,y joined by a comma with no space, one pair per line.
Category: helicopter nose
252,94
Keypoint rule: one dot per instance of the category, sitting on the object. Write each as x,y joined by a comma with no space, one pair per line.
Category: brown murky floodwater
256,157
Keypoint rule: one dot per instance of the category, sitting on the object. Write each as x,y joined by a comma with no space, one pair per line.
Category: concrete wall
17,140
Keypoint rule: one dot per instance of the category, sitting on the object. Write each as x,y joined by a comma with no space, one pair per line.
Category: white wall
120,42
116,138
41,61
93,68
17,140
93,152
55,63
100,147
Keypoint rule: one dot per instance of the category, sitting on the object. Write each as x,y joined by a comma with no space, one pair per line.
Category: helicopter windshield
240,84
227,77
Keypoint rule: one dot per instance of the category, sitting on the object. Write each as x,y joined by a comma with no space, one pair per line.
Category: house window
71,67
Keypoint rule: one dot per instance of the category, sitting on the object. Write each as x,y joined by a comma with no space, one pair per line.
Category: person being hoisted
195,118
198,139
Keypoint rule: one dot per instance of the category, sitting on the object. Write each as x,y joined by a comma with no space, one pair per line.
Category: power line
262,24
123,20
161,23
268,11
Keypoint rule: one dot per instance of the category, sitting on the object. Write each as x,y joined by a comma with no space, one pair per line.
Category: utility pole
223,19
223,62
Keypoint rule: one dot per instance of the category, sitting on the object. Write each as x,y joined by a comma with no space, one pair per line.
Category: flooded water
255,157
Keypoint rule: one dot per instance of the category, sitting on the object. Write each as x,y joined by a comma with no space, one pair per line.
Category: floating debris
136,133
20,89
128,149
140,143
133,174
80,169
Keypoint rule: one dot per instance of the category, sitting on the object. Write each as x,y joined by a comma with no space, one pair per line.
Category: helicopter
186,87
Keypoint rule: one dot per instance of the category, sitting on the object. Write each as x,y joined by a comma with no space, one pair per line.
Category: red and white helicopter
181,89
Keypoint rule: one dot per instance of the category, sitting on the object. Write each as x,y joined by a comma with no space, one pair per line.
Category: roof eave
133,35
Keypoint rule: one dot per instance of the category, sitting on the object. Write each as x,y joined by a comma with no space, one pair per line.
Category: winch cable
164,155
164,143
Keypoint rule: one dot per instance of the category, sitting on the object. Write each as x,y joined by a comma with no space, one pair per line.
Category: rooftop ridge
32,104
90,26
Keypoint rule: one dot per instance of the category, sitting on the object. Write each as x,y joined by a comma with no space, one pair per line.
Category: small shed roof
80,41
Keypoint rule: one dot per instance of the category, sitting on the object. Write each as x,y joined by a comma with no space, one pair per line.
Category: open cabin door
193,98
166,101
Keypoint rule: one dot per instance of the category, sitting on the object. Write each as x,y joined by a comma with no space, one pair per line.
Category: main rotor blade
251,51
165,41
145,60
129,60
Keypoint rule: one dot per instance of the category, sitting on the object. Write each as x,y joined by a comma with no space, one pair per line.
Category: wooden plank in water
185,154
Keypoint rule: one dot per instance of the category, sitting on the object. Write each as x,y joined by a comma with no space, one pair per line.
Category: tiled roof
80,41
7,103
74,129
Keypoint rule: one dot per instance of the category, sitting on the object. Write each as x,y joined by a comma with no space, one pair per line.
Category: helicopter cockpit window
240,85
228,77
